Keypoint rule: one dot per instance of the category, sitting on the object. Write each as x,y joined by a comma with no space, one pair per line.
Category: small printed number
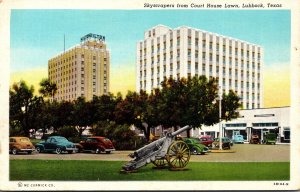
280,183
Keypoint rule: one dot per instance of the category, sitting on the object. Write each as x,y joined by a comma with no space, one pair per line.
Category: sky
38,35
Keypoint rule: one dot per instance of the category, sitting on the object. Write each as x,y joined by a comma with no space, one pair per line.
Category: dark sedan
55,144
226,143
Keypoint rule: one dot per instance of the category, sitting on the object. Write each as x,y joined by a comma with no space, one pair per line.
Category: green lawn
79,170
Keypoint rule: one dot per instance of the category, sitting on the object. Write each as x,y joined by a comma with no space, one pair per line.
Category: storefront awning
264,127
235,128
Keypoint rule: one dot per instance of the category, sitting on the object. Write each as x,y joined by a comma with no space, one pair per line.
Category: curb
222,151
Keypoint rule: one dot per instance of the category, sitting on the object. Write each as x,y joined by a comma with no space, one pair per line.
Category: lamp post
220,117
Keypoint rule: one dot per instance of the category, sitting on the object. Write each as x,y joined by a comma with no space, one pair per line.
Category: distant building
255,121
185,52
82,70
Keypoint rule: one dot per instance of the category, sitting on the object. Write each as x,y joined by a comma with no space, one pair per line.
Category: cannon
162,152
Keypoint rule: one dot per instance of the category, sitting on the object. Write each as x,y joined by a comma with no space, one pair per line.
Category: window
204,43
189,53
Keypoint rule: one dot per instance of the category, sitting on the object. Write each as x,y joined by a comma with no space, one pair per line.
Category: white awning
235,128
264,127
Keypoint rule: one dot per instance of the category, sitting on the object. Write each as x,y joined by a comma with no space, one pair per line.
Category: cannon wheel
178,154
160,163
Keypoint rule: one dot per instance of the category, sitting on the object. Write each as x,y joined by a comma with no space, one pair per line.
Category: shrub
15,129
122,137
67,132
15,132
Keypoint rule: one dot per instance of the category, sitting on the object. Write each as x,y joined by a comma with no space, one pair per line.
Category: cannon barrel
180,130
146,149
154,145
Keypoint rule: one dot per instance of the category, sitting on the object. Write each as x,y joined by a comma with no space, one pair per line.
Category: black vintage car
254,139
226,143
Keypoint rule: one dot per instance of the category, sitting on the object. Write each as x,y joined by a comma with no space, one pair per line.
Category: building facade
253,122
183,52
82,70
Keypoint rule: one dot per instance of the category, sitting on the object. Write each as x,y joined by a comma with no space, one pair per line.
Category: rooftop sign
92,36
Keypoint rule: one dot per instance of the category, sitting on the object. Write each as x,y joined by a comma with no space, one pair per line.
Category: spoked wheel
160,163
178,154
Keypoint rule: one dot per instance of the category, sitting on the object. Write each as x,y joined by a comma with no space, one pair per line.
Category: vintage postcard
149,95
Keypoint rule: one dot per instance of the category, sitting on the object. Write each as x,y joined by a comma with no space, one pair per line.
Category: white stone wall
157,57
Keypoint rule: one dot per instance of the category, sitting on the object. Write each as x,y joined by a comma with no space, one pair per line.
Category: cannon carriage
166,151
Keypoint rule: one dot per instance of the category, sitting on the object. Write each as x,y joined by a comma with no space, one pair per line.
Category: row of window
254,56
265,124
242,83
236,125
74,90
199,36
229,62
253,124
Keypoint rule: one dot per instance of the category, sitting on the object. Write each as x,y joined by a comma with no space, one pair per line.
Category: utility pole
220,117
64,43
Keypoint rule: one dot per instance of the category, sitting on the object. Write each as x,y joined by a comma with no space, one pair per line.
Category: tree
58,114
151,114
104,107
192,102
132,110
230,103
173,102
24,107
82,114
47,88
122,137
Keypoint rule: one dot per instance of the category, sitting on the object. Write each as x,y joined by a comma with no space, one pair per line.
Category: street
243,153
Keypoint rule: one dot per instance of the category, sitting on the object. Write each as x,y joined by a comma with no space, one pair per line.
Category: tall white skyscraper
186,51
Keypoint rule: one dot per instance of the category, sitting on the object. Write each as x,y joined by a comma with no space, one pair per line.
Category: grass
78,170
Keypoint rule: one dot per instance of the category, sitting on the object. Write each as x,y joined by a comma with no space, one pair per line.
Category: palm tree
48,89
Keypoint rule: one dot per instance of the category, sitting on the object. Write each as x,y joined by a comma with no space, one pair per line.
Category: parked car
195,147
57,144
254,139
226,143
238,139
96,144
270,138
206,140
20,144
